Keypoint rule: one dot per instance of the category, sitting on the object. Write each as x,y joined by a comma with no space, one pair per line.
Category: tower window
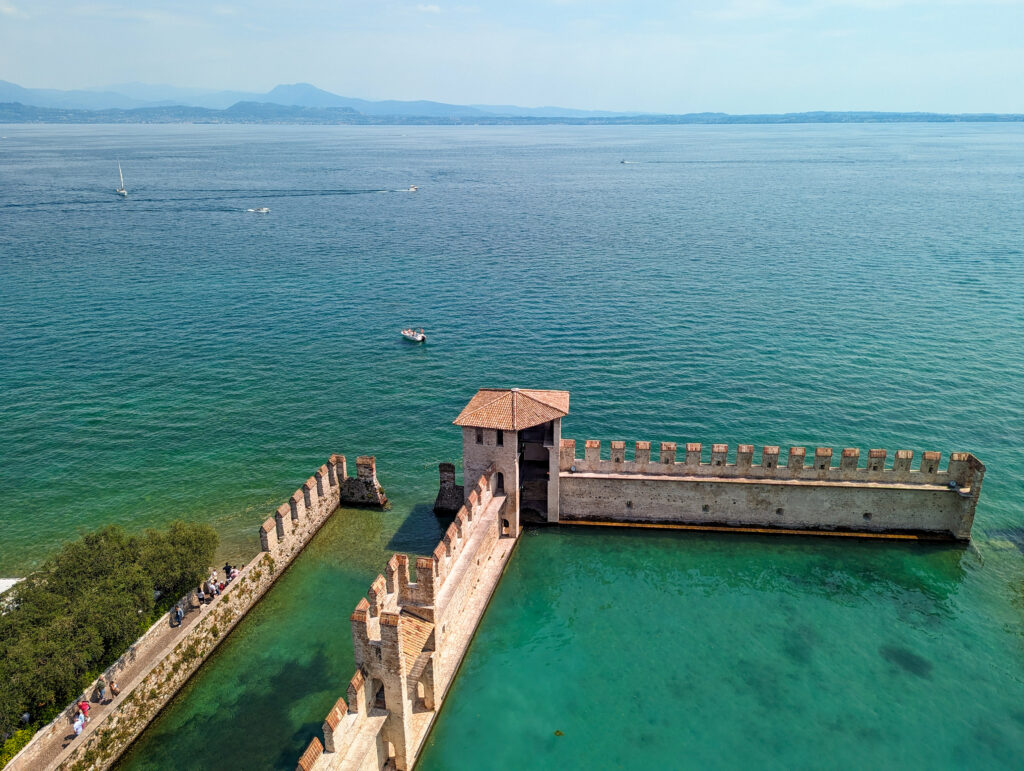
500,486
499,438
479,436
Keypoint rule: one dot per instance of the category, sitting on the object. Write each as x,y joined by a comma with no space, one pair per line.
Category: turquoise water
658,650
173,355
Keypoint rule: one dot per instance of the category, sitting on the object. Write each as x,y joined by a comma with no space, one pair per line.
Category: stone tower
518,430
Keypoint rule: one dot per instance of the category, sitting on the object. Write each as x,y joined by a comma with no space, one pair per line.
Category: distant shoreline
266,113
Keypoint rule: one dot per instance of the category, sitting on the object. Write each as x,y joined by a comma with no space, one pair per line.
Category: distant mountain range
303,103
129,96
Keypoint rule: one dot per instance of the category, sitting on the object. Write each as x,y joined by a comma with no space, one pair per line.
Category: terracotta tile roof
513,409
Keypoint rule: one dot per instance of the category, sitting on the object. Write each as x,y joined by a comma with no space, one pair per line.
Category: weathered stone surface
450,495
363,489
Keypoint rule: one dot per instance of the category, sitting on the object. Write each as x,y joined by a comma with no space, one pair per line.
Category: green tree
84,607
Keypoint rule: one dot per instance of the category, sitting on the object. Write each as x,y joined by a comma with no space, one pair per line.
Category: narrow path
56,747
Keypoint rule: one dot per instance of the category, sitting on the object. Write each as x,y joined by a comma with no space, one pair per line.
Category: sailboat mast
120,173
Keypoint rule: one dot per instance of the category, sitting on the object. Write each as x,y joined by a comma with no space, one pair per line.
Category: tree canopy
83,608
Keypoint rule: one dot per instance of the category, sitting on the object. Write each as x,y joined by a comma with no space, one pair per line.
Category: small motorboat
412,189
261,210
414,335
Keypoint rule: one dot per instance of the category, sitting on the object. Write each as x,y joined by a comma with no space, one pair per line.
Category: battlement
408,636
813,491
318,497
963,472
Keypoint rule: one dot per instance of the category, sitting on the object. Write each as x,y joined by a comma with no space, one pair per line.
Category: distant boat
415,336
121,191
261,210
412,189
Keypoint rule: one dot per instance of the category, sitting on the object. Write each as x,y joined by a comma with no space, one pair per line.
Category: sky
736,56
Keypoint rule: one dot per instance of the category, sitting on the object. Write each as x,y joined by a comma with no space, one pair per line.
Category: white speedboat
412,189
414,335
261,210
121,191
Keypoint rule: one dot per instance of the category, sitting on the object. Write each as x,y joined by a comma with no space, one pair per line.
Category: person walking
179,613
101,687
79,724
115,691
83,707
201,595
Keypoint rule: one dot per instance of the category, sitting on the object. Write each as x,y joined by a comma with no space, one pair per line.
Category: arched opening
506,528
499,483
377,698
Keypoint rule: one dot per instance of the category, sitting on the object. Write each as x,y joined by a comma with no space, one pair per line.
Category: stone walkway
52,750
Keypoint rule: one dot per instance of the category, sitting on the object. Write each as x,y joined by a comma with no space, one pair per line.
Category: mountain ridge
270,113
142,95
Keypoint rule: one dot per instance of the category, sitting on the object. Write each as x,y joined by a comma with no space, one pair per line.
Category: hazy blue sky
653,55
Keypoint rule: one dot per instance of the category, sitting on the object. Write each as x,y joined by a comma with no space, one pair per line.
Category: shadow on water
417,535
251,745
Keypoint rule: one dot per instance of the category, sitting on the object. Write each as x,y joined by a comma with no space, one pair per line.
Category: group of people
82,707
205,593
213,586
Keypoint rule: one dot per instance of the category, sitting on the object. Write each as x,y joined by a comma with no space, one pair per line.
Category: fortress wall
815,493
145,692
410,637
712,502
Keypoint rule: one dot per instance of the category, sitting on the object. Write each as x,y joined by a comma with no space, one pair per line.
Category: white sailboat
121,191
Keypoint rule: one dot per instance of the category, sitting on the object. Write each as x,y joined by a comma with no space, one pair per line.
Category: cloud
428,8
6,9
148,16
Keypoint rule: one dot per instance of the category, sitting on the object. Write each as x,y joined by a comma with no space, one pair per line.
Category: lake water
173,355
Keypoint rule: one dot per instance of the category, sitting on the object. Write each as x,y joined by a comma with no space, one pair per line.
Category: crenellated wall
174,654
848,492
409,638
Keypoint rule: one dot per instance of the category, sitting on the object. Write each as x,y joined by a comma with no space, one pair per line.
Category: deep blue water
174,355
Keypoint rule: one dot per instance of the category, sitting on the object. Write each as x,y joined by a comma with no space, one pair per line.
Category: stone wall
803,493
282,537
409,639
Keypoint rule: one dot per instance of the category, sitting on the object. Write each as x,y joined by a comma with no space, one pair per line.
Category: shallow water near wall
612,649
175,355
